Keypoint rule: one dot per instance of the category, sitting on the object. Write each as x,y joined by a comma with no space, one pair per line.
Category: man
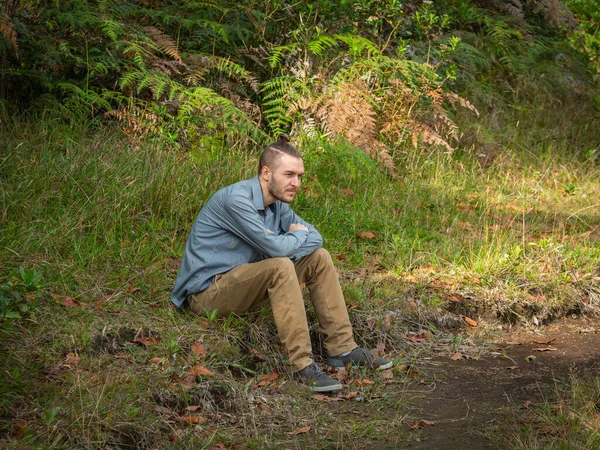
248,247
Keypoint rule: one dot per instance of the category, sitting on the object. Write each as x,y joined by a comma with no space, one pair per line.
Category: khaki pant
278,280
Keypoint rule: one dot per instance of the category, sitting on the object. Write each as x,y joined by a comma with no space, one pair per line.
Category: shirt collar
257,195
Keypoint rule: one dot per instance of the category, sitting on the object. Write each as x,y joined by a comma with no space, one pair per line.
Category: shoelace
316,370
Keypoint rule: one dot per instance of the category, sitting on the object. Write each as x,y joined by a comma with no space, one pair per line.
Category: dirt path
467,396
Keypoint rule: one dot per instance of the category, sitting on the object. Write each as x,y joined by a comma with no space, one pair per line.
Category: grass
570,419
100,358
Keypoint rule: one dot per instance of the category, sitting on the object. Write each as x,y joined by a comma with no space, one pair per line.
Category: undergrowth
94,226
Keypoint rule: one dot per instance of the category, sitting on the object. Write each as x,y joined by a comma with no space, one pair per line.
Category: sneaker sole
337,367
334,387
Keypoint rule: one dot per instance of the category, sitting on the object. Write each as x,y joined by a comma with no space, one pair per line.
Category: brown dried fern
164,43
7,29
350,113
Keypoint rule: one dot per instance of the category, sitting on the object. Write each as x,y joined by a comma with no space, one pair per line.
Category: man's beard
278,192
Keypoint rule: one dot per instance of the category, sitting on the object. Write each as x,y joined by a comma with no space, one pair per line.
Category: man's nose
296,181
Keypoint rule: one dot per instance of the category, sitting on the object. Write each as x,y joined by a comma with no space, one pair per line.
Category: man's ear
265,173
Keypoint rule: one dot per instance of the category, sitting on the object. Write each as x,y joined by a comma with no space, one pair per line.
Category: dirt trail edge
469,395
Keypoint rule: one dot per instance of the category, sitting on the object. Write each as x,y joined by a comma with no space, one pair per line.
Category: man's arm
246,223
313,241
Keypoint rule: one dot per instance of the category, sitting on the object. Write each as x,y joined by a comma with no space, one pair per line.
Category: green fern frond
112,29
321,43
358,45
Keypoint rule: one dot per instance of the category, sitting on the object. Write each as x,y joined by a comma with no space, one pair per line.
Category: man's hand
297,226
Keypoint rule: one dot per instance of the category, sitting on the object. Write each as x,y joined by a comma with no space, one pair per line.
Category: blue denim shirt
235,228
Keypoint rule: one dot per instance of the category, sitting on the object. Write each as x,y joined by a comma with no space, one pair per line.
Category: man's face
284,179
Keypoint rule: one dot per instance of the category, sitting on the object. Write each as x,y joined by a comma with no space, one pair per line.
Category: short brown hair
272,153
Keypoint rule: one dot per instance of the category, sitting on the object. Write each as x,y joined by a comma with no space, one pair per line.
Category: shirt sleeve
313,241
245,222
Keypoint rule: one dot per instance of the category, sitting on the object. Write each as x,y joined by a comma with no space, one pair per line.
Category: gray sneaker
317,380
359,357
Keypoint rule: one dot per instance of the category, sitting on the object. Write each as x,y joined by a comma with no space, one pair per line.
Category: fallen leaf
512,368
147,340
164,410
178,433
470,321
193,408
545,342
192,419
402,368
387,374
68,302
198,350
346,192
364,381
204,324
133,289
350,395
457,356
19,430
121,356
300,430
72,359
455,298
513,343
257,355
157,360
265,380
364,235
545,349
199,370
527,404
421,424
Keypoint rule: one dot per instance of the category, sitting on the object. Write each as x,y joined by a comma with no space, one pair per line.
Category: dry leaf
545,349
198,350
68,302
147,340
470,321
364,235
257,355
513,343
19,430
122,356
300,430
350,395
545,342
199,370
265,380
157,360
192,419
72,359
457,356
346,192
387,374
527,404
193,408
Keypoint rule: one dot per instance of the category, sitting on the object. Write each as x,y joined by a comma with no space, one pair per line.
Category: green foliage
18,293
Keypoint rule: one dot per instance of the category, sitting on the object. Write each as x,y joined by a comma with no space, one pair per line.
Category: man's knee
284,266
321,256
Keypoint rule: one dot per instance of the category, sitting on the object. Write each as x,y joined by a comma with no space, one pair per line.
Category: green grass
569,419
104,221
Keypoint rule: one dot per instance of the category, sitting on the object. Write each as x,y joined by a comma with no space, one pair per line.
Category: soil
468,396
